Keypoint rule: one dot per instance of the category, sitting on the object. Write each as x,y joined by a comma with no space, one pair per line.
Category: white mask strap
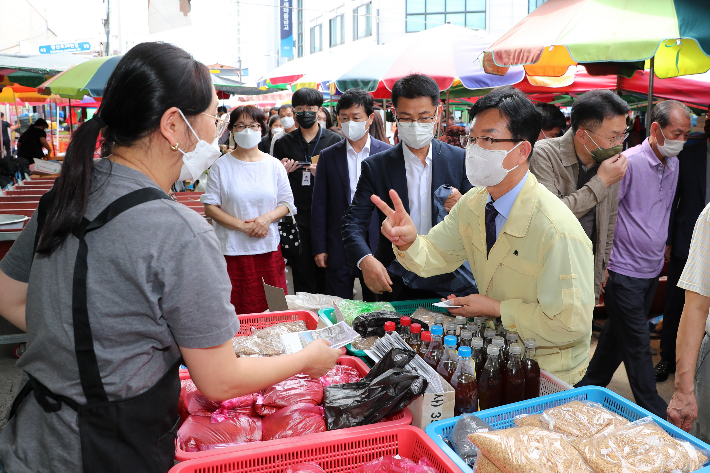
188,124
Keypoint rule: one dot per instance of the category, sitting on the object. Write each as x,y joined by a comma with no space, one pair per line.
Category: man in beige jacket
583,168
528,253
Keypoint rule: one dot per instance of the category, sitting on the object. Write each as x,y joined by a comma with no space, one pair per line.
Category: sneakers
663,369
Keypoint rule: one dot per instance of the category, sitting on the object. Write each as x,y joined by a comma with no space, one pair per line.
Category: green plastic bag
348,310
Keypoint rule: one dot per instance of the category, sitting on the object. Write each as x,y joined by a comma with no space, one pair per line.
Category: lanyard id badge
306,180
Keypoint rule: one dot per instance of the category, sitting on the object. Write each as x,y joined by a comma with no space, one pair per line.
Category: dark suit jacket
385,171
331,198
689,198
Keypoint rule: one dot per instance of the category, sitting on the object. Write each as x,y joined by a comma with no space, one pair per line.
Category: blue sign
245,72
286,19
72,47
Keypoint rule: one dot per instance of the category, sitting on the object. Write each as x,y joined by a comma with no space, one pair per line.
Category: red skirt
246,273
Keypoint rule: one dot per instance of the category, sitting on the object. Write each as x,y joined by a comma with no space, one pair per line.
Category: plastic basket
249,322
328,318
402,418
502,417
335,452
409,307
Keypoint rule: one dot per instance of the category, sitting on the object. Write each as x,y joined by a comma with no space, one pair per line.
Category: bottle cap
415,328
390,326
460,320
473,327
405,321
498,341
466,334
451,326
493,350
515,349
530,343
439,319
512,336
489,333
465,352
450,341
437,330
477,342
426,336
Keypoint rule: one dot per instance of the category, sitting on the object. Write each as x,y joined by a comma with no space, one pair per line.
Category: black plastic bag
386,389
373,323
458,438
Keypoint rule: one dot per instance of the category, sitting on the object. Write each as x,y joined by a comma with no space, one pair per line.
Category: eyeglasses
422,120
472,140
616,139
239,127
220,123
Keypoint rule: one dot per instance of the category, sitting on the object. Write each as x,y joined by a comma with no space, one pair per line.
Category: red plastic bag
198,433
293,421
239,406
194,402
308,467
340,374
263,410
298,389
392,464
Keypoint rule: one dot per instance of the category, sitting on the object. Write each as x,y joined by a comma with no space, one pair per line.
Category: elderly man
583,168
645,197
529,254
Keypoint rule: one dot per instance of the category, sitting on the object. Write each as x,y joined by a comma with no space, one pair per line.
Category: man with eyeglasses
299,151
645,198
529,254
428,174
583,168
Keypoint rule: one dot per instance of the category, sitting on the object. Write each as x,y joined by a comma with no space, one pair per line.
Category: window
362,21
425,14
300,28
533,4
316,39
337,30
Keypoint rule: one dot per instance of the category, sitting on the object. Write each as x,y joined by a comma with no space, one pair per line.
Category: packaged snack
529,420
198,433
194,402
581,419
293,421
297,389
230,408
484,465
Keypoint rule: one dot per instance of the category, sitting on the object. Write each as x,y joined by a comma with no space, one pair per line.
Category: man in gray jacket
584,166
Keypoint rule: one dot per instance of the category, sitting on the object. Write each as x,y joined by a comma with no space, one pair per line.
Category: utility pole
107,25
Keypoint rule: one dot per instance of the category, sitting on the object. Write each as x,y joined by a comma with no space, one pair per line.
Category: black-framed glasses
422,120
616,139
472,140
239,127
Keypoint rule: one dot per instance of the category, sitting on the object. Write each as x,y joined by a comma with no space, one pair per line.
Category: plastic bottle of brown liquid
514,382
435,350
465,338
464,384
491,382
404,328
415,337
532,370
479,359
390,327
426,339
449,359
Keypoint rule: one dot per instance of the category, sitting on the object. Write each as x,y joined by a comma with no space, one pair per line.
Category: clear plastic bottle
460,324
464,383
532,370
390,327
478,356
403,329
500,343
436,348
426,339
415,337
451,329
514,379
449,359
474,328
465,338
439,319
491,382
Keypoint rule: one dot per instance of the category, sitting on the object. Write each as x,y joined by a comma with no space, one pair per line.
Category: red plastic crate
336,452
402,418
248,322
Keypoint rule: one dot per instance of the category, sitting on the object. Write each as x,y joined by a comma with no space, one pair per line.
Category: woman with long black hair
103,280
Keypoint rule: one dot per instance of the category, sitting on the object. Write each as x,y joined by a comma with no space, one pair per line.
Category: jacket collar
568,154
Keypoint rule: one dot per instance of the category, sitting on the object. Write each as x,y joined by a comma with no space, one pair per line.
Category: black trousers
7,147
307,277
625,337
340,280
400,292
675,300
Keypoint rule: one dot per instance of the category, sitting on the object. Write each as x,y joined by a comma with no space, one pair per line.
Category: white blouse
247,190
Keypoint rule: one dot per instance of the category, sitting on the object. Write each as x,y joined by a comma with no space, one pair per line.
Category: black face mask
306,119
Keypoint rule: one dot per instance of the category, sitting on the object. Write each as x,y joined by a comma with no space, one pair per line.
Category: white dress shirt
355,164
418,189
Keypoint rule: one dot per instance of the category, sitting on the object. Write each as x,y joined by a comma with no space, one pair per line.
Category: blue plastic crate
502,417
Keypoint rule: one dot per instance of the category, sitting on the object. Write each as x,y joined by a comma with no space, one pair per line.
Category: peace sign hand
398,226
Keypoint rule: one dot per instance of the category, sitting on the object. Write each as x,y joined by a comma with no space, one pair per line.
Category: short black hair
285,106
41,122
524,121
353,98
272,119
2,115
552,116
414,86
307,97
221,109
255,113
590,109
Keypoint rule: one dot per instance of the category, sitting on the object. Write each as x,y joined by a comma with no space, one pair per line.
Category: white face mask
247,138
354,130
287,122
276,129
322,124
484,167
416,135
199,159
670,147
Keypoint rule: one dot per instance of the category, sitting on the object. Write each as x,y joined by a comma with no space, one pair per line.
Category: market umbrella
445,53
88,78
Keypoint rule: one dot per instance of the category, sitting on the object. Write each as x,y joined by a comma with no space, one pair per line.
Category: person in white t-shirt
247,193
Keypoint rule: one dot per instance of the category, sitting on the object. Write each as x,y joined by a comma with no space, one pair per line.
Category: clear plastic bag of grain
581,419
274,332
364,343
267,341
484,465
639,447
529,450
529,420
